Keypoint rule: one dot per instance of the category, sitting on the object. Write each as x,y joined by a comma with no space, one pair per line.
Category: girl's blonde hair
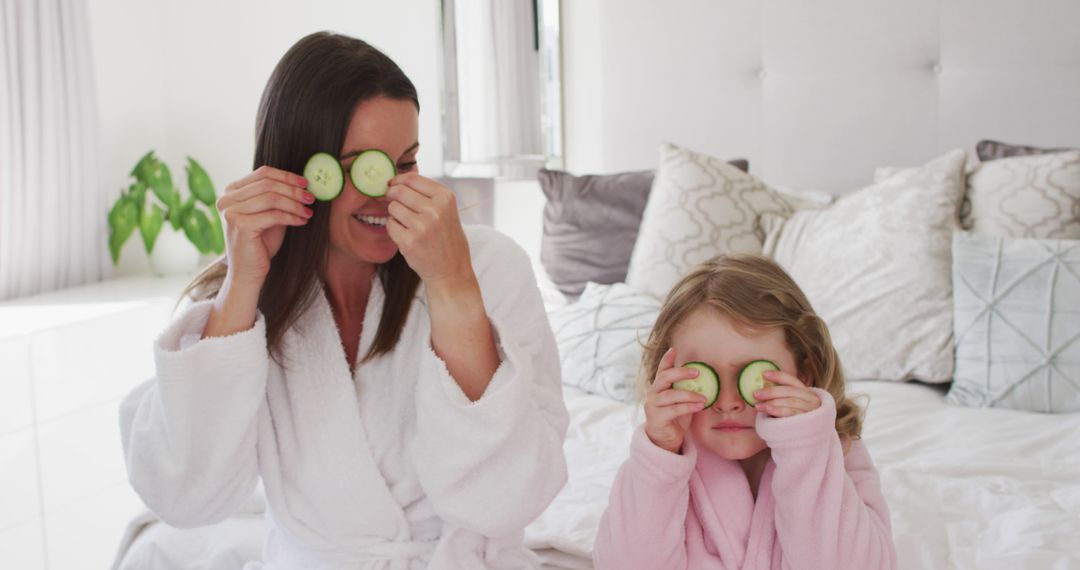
755,292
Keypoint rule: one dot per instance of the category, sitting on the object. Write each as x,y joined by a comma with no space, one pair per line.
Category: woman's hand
790,397
257,209
425,226
668,411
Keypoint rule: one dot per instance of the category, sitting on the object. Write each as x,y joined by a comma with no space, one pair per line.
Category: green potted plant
151,200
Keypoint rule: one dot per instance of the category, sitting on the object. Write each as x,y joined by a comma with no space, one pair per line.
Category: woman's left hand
790,396
424,224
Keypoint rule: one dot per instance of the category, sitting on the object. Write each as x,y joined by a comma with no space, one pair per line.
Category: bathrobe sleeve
644,525
492,466
830,512
189,434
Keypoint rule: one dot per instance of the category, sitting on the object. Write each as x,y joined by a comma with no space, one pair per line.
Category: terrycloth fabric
816,508
390,468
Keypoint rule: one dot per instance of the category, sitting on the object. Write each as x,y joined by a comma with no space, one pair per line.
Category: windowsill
35,313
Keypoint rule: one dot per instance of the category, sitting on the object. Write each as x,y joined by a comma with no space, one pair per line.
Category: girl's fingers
771,393
793,403
271,173
780,411
669,376
783,378
673,412
671,397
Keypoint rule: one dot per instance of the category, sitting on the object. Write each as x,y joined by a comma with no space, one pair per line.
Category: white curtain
498,80
52,207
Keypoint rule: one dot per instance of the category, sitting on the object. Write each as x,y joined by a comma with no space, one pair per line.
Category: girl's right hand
257,209
667,410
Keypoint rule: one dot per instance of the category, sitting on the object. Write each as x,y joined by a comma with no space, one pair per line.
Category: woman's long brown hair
757,293
306,107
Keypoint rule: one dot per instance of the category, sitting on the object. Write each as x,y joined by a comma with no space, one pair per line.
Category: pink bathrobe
816,508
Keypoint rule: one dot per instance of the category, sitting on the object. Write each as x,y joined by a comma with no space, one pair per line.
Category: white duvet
967,488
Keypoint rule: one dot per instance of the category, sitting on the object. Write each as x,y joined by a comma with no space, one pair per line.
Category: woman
387,373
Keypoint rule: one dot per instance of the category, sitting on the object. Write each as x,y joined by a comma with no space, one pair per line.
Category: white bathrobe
388,468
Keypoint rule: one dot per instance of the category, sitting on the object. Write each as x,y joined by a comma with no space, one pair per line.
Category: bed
967,488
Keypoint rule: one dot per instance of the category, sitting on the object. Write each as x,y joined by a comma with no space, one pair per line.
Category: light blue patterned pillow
600,338
1017,323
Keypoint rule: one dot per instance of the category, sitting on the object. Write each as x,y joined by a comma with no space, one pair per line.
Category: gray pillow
591,223
993,150
1017,323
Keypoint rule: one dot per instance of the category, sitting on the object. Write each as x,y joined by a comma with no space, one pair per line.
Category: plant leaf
143,170
175,212
197,228
122,221
161,182
150,227
199,183
218,243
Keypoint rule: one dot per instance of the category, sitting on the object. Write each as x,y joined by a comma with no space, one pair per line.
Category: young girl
786,484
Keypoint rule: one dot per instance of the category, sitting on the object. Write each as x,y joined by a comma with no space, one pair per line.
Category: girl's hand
668,411
257,209
425,226
790,397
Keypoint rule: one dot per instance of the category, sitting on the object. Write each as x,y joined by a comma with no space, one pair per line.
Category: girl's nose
729,400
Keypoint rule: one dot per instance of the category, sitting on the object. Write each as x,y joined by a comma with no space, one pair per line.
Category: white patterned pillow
877,266
1032,196
600,338
1035,196
699,207
1017,323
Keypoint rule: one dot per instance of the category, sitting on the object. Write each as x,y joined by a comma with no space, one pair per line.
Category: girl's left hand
424,224
790,397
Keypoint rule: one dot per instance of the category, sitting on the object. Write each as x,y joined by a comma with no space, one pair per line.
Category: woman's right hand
667,410
257,208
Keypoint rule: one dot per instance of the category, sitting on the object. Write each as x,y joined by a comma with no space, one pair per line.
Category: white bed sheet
967,488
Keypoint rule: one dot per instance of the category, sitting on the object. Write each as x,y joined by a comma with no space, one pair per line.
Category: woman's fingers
407,218
266,220
270,201
265,186
410,198
271,173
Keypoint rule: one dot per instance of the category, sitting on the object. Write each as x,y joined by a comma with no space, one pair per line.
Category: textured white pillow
1017,323
600,338
699,207
1035,196
877,266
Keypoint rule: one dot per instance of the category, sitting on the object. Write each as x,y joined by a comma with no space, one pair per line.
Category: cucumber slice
324,175
707,383
751,380
371,173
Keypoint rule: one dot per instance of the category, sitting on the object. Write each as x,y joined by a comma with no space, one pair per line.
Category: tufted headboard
816,93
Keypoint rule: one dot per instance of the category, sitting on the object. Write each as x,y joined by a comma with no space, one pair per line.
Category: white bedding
967,488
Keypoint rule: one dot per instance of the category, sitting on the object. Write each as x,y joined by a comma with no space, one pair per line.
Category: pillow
876,266
1035,196
992,150
600,338
591,223
1017,323
699,207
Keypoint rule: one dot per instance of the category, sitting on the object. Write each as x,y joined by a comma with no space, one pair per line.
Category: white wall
184,78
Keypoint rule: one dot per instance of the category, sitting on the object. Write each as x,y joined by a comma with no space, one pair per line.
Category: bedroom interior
915,166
